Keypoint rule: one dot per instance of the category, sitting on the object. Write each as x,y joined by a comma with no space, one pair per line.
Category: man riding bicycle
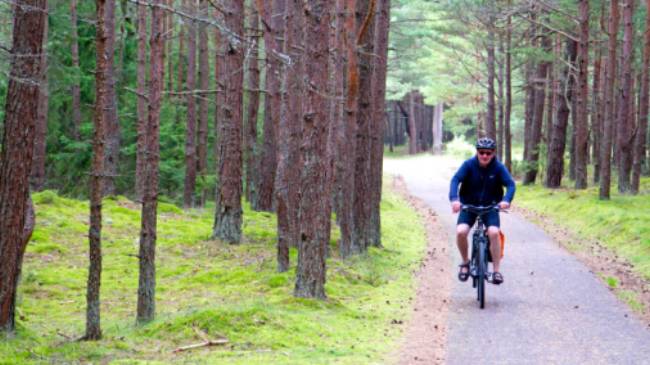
481,180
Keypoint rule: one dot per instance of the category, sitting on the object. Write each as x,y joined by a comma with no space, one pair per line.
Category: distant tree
111,123
37,178
315,208
287,176
625,121
141,137
608,97
147,278
228,216
190,86
253,93
204,83
640,140
582,126
17,148
74,54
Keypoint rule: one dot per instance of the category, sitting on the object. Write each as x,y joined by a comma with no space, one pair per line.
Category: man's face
485,156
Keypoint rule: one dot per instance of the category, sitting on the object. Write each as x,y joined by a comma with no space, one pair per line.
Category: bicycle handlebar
480,210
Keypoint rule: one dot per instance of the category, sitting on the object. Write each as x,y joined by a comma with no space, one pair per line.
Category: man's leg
495,247
462,230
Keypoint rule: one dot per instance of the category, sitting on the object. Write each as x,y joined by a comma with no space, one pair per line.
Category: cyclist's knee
493,231
462,230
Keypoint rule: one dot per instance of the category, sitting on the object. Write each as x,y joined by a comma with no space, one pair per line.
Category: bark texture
582,126
228,216
640,140
147,278
315,208
190,130
17,149
608,96
204,84
625,123
250,136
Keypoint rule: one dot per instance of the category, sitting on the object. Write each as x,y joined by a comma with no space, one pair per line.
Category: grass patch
621,223
631,299
206,285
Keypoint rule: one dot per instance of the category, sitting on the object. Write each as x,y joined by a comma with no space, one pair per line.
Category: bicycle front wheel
481,274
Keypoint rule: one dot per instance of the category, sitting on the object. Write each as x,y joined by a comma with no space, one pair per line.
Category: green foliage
207,286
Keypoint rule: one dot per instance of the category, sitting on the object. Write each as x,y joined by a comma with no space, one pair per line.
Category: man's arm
509,183
459,176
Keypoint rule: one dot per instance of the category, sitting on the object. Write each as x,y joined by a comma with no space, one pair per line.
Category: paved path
551,308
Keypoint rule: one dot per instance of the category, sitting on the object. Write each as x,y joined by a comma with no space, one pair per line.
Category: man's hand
455,206
504,205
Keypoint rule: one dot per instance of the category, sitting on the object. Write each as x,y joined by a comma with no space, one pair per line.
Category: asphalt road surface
550,310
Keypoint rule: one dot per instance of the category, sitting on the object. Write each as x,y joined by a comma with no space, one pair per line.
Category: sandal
497,278
463,273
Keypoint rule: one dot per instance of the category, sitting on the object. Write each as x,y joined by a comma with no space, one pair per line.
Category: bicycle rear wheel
481,273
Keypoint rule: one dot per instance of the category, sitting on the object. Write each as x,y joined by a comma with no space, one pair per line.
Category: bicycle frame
480,247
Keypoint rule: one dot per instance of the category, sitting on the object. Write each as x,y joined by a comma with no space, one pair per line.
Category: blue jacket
482,186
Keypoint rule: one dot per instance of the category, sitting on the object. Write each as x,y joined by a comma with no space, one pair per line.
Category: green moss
206,286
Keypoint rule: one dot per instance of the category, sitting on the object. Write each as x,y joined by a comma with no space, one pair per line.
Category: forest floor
552,308
209,291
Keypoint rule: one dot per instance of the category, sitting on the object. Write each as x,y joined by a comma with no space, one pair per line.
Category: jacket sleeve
509,183
459,176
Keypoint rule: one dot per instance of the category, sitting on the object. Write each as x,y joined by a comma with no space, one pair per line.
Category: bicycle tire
481,273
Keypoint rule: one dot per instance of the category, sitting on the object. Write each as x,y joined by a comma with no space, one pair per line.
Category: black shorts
490,219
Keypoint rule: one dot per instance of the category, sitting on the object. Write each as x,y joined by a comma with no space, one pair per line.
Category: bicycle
478,267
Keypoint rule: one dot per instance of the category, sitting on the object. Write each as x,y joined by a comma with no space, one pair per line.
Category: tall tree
147,278
17,149
346,141
535,128
640,140
365,47
292,87
273,43
141,138
597,101
111,123
190,130
582,126
74,54
37,178
228,215
378,122
93,318
490,125
250,135
625,124
508,113
557,143
314,195
608,97
204,84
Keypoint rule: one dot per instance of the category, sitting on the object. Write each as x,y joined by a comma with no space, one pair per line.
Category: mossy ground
207,286
621,223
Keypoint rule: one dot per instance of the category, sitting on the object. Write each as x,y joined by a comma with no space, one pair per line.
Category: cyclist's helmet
485,144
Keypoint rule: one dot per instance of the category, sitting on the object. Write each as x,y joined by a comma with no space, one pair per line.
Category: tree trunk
625,136
640,140
535,132
413,133
17,148
142,103
147,279
347,138
273,33
608,97
314,195
286,186
250,137
506,126
228,216
111,123
557,144
381,31
490,125
37,177
190,134
582,126
93,323
362,183
204,84
596,113
74,54
529,111
168,32
500,105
